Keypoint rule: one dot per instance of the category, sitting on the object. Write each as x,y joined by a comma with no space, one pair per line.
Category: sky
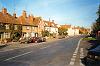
74,12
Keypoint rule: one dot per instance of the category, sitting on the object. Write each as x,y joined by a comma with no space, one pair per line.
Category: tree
96,25
45,33
62,31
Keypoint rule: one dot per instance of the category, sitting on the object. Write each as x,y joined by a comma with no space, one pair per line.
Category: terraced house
13,27
10,28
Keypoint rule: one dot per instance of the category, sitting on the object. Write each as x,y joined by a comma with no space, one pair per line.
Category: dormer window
7,26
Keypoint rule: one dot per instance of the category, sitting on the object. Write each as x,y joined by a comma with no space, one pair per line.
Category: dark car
35,40
94,53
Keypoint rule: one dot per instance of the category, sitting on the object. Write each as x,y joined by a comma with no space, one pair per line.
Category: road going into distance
56,53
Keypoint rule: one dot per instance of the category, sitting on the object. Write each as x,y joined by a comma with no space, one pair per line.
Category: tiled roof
7,18
50,24
65,26
30,20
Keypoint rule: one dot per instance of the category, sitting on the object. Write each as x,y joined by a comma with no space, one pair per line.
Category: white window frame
27,27
15,27
7,26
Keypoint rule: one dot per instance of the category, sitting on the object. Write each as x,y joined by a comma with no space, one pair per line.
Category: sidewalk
17,45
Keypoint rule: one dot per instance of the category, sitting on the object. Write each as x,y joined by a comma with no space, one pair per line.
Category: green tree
96,25
45,33
62,31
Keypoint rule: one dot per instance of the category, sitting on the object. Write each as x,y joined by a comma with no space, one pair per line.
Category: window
27,28
33,28
15,27
7,35
7,26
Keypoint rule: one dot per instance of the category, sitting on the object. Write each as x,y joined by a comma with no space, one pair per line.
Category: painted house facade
73,31
51,27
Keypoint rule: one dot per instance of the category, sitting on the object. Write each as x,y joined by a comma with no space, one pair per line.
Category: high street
56,53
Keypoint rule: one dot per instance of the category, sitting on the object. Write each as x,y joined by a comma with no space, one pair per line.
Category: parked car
35,40
94,53
43,39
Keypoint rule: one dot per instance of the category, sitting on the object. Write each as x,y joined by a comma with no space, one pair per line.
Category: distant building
73,31
51,27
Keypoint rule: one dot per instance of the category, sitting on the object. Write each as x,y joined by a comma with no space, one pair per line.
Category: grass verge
89,38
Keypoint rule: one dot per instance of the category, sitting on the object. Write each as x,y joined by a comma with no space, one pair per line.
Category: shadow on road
88,62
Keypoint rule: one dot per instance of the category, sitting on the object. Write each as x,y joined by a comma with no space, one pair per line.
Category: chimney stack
4,10
52,20
14,15
24,13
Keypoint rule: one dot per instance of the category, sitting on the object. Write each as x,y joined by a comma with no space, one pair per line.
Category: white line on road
72,62
23,54
18,56
81,56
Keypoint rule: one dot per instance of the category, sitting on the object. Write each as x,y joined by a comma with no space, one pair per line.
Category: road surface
56,53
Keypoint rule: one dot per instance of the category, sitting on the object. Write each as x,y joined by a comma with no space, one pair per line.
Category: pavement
82,53
63,52
16,45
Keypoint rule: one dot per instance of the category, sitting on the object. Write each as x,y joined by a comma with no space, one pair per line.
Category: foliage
45,33
96,25
62,31
15,35
89,38
83,30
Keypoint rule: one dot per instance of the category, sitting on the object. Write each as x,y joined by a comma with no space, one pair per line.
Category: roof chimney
24,13
14,15
52,20
4,10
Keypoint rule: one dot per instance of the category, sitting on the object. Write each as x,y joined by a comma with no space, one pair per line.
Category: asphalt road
57,53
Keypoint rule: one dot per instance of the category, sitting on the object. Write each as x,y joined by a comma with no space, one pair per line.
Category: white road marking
23,54
81,56
72,62
18,56
74,54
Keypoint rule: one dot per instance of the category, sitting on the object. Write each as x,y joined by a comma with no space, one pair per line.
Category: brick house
8,25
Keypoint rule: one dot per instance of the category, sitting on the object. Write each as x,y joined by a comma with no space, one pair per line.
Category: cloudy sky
74,12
